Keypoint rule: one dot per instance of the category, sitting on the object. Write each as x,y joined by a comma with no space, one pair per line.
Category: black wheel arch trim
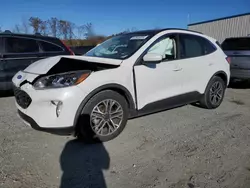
113,87
221,72
216,74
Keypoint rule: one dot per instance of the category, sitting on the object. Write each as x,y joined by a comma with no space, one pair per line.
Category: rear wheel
103,118
214,93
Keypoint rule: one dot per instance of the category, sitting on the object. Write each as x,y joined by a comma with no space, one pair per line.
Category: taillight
68,48
228,59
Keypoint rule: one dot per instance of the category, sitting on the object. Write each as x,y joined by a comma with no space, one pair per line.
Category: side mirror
152,58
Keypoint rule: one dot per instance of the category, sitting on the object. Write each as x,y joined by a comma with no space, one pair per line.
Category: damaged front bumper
41,110
54,108
60,131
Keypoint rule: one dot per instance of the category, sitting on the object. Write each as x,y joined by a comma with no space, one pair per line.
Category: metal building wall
221,29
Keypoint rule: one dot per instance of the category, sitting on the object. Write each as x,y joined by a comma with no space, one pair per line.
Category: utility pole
188,19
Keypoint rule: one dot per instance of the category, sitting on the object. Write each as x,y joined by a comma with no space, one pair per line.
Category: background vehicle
238,49
17,51
81,50
95,94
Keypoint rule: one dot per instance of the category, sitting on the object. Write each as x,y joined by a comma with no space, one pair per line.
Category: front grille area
22,98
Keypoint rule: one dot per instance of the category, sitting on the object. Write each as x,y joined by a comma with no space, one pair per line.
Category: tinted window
21,45
194,46
236,44
48,47
208,47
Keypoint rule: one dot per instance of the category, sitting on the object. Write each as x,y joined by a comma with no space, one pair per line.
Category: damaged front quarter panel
59,65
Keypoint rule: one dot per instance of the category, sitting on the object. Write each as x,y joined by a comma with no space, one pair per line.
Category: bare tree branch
53,26
25,26
89,31
44,27
16,29
35,23
81,31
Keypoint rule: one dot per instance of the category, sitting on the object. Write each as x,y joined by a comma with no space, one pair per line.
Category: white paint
153,82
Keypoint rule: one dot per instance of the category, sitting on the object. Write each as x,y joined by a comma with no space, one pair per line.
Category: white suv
127,76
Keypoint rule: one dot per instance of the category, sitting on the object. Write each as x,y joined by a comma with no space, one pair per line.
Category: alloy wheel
106,117
216,93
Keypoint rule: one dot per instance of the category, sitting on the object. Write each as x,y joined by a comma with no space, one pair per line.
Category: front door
156,82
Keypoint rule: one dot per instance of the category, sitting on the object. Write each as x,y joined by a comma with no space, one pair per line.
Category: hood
43,66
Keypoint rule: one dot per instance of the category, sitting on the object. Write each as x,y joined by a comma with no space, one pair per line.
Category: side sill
166,104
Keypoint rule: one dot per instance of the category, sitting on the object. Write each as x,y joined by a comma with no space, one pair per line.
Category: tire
207,99
94,111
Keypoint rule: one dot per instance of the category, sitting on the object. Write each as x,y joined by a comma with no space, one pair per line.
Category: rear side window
49,47
208,47
236,44
20,45
195,46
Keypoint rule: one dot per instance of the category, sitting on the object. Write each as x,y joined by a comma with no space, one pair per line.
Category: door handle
210,64
177,69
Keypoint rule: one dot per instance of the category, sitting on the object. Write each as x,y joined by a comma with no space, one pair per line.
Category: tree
81,31
63,28
35,23
16,29
53,26
25,26
71,27
43,28
89,31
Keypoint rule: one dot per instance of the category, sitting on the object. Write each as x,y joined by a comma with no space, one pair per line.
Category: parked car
81,50
238,49
17,51
127,76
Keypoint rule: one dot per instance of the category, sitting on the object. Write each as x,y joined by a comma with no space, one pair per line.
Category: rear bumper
240,74
59,131
6,86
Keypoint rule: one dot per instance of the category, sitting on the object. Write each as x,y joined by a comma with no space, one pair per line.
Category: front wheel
214,93
103,118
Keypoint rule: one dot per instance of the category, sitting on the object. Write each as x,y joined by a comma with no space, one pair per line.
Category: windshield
236,44
119,47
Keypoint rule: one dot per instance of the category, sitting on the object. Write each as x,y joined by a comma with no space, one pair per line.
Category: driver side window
166,47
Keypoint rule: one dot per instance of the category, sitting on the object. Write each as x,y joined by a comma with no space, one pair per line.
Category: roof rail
38,34
191,31
181,29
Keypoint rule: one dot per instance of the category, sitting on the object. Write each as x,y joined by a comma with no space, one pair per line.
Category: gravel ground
185,147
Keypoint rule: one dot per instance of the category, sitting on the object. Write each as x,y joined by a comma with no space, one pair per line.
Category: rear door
197,60
19,53
238,49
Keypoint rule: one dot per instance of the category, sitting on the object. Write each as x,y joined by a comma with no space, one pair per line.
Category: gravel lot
185,147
